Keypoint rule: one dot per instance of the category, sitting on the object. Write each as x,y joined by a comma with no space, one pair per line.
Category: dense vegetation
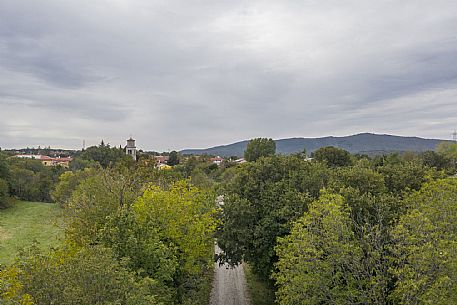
335,229
345,229
133,235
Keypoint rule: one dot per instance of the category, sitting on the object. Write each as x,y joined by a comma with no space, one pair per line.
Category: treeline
133,235
26,179
344,229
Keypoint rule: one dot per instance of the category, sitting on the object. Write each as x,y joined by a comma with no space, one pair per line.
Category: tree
425,252
406,176
4,194
319,260
173,158
433,159
68,182
449,151
259,147
96,198
71,276
149,254
335,255
333,156
358,177
24,184
170,236
259,204
30,180
4,167
104,155
185,216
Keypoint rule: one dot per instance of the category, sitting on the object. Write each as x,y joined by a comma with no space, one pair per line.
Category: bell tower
130,149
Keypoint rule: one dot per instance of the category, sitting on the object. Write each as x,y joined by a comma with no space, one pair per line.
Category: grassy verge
25,222
200,293
259,291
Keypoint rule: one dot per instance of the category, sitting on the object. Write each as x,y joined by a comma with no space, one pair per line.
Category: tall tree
259,147
318,259
173,158
426,250
333,156
260,202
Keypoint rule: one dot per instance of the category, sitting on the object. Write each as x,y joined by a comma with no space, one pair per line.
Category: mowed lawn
25,222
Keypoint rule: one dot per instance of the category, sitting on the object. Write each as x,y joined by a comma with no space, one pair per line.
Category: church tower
130,149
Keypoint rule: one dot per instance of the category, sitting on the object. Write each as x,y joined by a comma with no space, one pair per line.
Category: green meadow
26,222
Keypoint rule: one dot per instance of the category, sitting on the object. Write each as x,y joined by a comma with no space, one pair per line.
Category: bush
84,276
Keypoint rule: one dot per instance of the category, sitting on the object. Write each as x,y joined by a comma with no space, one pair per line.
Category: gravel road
229,286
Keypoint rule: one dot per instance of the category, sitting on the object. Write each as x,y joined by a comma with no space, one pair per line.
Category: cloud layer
179,74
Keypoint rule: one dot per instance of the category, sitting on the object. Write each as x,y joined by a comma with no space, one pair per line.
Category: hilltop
364,143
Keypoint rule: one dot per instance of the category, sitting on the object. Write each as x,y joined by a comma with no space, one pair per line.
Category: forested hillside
365,143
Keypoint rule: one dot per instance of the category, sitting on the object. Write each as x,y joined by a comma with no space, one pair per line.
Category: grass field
25,222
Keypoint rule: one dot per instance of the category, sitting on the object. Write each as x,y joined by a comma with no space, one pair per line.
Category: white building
130,149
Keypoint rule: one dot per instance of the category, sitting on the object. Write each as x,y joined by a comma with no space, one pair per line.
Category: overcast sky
193,74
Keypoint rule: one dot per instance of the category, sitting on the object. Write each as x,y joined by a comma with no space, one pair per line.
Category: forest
329,228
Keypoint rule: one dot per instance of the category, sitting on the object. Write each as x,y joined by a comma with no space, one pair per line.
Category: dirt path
229,286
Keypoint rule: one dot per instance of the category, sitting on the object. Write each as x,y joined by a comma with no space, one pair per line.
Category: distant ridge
364,143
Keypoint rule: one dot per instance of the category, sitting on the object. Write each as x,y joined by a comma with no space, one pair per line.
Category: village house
49,161
161,160
217,160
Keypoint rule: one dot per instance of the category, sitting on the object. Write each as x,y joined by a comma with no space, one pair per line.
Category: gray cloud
181,74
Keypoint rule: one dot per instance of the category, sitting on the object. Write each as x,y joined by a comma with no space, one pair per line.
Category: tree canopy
426,250
333,156
259,147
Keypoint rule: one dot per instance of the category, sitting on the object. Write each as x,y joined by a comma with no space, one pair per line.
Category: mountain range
363,143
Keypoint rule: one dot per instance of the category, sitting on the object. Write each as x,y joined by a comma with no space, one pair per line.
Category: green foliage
426,250
104,155
32,181
147,254
448,151
333,156
333,256
260,291
166,233
173,158
11,292
185,216
77,276
260,203
4,194
358,177
406,176
433,159
80,164
319,260
259,147
96,198
68,182
4,167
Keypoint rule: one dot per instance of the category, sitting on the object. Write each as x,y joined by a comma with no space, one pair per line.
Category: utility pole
454,136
